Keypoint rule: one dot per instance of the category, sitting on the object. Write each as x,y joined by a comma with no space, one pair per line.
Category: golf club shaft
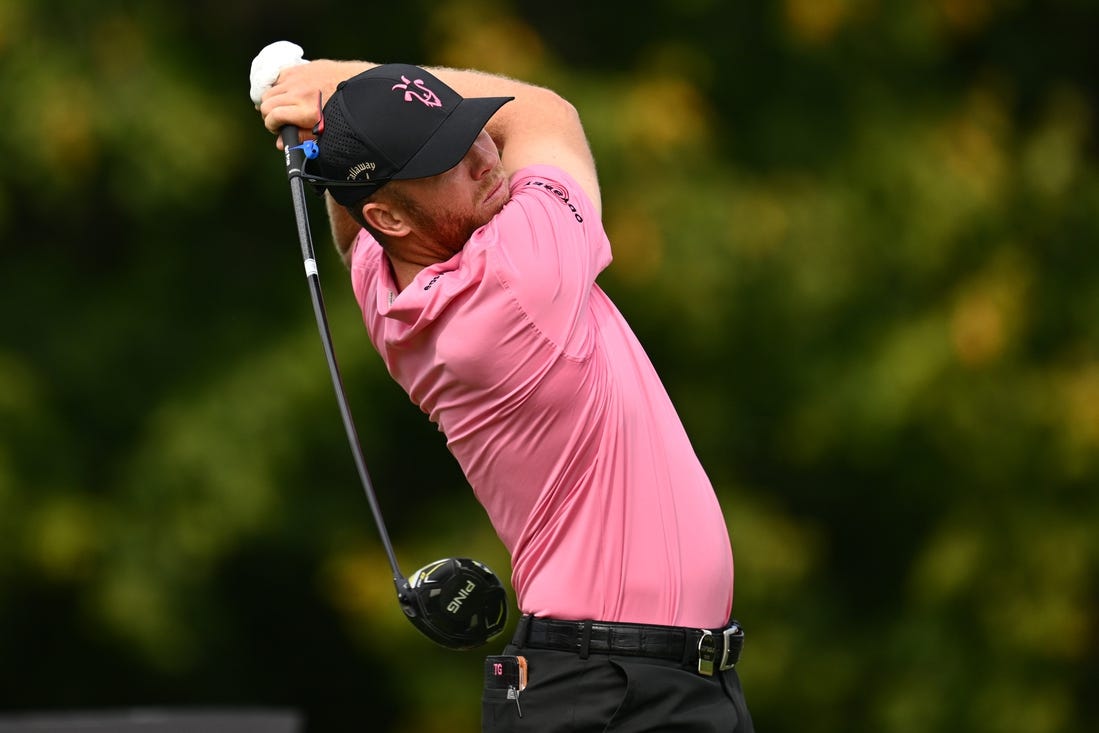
295,159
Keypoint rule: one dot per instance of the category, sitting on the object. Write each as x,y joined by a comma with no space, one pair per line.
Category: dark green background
858,238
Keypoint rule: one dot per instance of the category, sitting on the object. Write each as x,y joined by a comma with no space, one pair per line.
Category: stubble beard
451,230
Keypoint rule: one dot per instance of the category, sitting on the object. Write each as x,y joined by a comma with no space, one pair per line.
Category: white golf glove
268,63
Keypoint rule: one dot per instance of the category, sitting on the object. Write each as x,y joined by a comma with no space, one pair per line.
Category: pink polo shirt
555,414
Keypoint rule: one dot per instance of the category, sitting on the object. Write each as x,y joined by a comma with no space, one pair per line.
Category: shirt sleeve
547,247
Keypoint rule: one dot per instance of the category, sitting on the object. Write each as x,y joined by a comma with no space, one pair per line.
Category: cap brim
344,192
453,139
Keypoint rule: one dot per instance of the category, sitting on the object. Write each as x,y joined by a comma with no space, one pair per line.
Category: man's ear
386,219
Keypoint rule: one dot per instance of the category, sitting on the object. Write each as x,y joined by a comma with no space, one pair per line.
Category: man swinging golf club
467,207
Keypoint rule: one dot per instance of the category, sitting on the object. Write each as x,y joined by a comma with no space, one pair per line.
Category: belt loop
690,651
585,639
522,631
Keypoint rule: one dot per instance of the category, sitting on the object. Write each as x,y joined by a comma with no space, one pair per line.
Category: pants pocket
660,696
565,694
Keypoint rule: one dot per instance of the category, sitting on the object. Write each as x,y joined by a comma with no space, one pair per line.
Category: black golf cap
393,122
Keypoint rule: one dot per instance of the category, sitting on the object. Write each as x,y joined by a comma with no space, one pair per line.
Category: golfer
467,208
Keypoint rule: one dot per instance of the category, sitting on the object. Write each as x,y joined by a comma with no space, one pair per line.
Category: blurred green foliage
858,238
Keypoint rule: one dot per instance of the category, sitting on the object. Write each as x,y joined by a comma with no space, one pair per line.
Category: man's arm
539,126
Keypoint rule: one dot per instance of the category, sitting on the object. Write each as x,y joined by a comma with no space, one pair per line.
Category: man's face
446,209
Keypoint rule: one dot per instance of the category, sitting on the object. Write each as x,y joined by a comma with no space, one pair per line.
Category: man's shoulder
548,180
543,176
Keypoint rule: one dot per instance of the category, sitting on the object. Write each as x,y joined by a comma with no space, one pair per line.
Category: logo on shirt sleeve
560,192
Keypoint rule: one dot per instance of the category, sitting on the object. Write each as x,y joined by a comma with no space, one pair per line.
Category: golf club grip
289,135
295,161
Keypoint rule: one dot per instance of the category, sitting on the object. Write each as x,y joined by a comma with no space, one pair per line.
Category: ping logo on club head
425,96
455,604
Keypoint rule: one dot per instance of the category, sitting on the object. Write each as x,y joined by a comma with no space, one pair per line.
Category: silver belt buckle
707,653
728,635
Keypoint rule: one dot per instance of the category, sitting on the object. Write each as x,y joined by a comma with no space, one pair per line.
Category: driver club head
456,602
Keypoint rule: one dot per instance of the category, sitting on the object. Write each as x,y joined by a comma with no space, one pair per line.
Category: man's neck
404,272
411,255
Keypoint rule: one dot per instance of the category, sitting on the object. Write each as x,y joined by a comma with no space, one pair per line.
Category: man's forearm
538,126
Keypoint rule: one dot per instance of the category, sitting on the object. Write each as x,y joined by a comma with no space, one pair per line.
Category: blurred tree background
858,238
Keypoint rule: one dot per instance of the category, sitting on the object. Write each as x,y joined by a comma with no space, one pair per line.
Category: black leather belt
707,650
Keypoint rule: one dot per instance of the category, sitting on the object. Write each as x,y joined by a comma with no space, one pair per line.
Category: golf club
456,602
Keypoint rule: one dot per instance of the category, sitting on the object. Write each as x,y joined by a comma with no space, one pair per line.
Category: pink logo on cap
426,96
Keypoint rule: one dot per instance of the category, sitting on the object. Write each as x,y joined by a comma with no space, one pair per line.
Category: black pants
605,692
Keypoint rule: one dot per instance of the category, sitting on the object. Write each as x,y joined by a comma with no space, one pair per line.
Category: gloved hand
269,63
